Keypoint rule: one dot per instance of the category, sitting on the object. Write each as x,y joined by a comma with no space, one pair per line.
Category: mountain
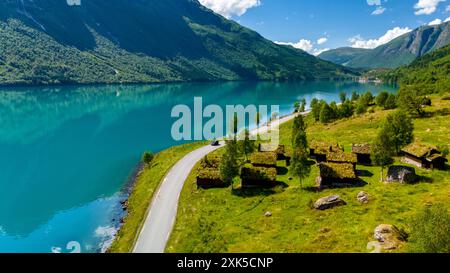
343,55
136,41
429,73
400,51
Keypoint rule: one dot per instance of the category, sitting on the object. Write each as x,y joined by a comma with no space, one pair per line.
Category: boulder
363,197
329,202
268,214
389,236
401,174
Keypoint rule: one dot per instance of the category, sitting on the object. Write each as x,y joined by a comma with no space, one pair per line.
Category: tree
399,129
296,107
229,165
302,105
361,108
258,123
430,232
315,108
391,102
410,100
382,98
395,133
235,124
147,158
346,109
300,167
326,113
355,96
382,153
258,119
247,146
299,126
366,99
343,97
299,164
334,110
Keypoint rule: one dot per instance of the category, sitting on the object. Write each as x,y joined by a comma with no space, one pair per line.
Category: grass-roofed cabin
342,157
319,150
208,174
336,175
280,150
256,177
363,153
424,156
268,159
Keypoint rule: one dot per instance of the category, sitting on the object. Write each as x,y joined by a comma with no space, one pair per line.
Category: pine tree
229,165
247,146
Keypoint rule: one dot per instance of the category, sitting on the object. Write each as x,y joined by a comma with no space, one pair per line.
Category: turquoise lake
66,153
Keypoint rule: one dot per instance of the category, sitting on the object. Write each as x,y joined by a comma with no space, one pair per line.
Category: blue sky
358,23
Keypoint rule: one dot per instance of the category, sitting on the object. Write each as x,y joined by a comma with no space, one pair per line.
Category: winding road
160,220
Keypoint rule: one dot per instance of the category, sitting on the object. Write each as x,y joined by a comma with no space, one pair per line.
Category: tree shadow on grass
440,112
358,183
278,187
311,162
282,170
364,173
423,179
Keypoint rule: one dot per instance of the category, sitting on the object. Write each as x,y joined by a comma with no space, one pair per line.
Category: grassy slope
146,184
216,220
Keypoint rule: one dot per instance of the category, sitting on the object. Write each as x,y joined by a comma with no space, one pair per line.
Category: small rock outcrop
329,202
363,197
401,174
389,236
268,214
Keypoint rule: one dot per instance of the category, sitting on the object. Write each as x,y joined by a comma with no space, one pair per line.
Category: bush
382,98
366,99
426,101
346,110
355,96
361,108
431,231
444,150
147,158
326,113
391,102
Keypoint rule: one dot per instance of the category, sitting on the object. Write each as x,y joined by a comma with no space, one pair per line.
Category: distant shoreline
7,86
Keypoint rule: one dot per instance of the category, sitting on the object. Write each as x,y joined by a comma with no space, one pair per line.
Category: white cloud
379,10
359,42
322,41
305,45
317,52
228,8
427,6
447,20
435,22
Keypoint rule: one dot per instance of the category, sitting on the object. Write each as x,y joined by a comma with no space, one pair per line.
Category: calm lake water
67,152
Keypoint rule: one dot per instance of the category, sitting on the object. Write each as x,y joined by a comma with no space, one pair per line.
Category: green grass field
222,220
146,184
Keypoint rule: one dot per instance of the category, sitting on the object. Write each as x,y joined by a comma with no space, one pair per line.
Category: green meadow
233,220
